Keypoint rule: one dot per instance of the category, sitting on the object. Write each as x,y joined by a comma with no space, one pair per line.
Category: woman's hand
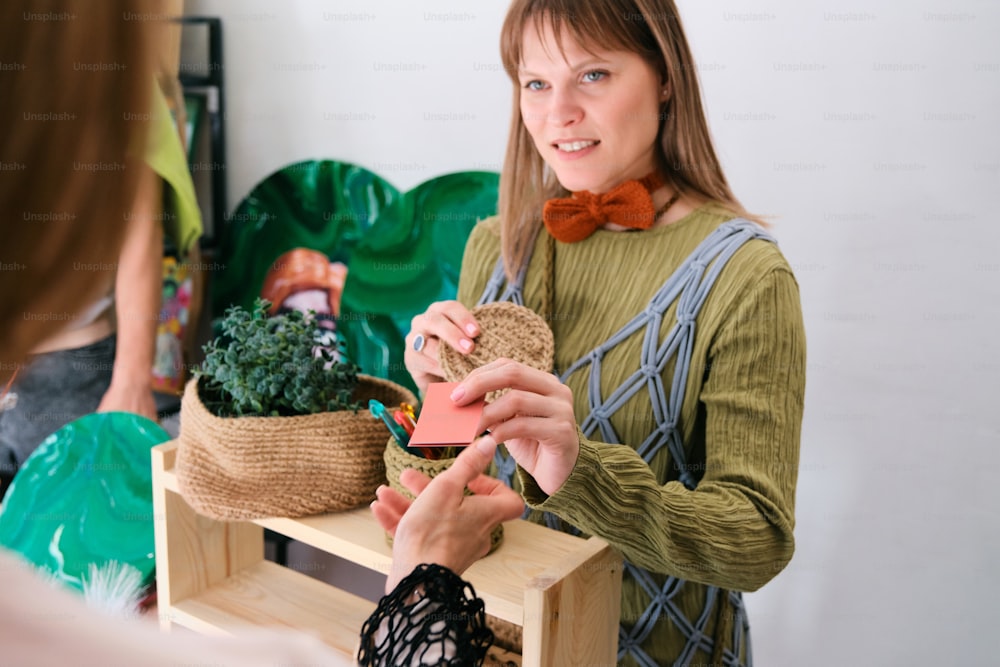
444,322
443,525
535,419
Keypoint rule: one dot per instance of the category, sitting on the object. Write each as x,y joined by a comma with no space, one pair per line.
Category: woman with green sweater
670,424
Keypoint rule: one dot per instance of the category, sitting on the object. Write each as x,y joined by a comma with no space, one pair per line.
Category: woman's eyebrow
582,65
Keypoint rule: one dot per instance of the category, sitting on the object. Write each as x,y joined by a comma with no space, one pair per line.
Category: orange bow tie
572,219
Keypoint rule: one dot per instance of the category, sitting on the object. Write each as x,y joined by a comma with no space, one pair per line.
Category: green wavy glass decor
86,496
403,251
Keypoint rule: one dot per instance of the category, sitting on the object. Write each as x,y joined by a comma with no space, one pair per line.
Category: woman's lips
574,149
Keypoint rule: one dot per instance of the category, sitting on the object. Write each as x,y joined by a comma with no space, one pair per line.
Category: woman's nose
564,108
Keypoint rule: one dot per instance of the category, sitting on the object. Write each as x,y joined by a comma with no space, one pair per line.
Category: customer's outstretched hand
443,525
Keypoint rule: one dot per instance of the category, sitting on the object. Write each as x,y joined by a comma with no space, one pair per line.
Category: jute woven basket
506,330
397,460
238,468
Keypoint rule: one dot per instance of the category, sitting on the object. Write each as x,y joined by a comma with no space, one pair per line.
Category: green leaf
270,365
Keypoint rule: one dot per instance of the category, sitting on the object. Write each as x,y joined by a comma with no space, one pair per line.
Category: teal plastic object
403,251
86,496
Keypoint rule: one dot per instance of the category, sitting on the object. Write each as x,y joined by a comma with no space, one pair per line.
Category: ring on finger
419,341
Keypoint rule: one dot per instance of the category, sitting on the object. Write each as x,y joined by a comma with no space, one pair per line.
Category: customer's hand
443,323
534,420
443,525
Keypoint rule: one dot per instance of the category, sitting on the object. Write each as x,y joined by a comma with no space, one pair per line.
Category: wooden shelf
269,594
212,578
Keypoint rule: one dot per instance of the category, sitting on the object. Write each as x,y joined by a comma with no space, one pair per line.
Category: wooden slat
500,578
571,610
353,535
267,594
194,552
165,457
528,550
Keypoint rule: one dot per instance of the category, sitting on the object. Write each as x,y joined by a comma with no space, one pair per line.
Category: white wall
870,131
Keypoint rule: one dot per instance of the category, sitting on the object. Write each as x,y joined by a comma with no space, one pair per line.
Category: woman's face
594,117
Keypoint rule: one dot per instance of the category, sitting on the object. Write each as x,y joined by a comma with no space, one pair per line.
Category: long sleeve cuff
432,617
590,493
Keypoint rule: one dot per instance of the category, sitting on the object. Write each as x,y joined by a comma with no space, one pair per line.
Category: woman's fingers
535,418
392,498
484,485
389,507
454,312
501,503
430,351
493,503
386,518
552,419
548,433
508,374
447,321
545,445
444,322
414,481
521,403
470,462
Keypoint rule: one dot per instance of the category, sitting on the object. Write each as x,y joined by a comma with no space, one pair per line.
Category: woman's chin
577,182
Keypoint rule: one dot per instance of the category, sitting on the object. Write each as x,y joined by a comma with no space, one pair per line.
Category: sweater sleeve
735,529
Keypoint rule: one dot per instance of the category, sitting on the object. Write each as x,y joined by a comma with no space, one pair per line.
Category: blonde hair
76,98
650,28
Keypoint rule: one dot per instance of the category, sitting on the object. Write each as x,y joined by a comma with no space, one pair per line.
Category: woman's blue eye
534,85
595,75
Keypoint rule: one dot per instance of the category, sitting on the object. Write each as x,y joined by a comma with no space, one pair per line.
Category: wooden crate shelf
212,578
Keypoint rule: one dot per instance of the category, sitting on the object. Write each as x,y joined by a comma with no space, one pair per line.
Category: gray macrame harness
689,286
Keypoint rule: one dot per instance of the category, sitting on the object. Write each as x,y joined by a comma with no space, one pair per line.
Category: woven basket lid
506,330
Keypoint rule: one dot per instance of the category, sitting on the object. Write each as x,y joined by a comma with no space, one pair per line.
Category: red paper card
442,423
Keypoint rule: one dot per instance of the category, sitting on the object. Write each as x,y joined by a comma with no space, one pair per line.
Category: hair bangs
595,25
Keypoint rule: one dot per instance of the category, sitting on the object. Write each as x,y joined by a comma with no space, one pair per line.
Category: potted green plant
271,423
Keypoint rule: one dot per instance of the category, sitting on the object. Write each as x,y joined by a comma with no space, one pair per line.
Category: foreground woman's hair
76,89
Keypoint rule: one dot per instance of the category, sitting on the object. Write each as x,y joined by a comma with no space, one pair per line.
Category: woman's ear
665,91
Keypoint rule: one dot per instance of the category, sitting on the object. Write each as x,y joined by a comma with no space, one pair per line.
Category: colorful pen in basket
404,420
410,411
407,422
398,432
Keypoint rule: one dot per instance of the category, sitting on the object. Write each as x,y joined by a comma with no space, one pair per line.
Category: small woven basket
506,330
240,468
397,460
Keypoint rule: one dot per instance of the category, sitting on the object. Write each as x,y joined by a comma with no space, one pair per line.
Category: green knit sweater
740,420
